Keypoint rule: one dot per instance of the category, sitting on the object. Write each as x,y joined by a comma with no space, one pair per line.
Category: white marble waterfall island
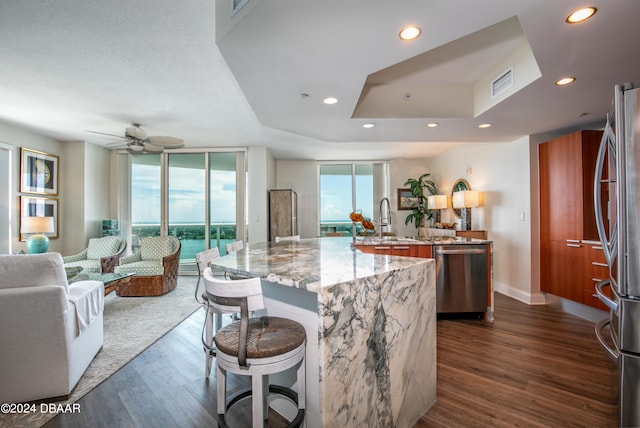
370,321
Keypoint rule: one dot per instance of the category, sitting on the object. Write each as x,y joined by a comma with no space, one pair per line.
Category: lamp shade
437,202
465,199
36,225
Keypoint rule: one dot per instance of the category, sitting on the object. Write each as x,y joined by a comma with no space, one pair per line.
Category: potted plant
420,213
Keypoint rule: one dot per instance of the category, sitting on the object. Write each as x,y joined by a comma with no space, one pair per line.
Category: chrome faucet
384,221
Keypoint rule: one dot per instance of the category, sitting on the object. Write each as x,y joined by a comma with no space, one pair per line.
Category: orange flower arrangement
357,217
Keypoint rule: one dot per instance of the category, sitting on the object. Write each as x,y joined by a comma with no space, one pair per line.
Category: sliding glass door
146,198
186,203
193,196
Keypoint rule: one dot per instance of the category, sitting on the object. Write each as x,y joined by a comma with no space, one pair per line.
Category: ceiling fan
137,142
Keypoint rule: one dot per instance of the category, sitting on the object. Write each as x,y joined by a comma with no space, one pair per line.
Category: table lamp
437,203
37,242
465,200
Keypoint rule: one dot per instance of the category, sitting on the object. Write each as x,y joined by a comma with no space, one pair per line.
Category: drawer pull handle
577,241
397,247
596,279
597,248
573,245
381,248
599,264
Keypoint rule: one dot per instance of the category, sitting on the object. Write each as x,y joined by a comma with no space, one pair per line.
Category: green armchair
102,255
155,267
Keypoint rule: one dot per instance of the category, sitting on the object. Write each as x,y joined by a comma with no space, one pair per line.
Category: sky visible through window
336,194
186,195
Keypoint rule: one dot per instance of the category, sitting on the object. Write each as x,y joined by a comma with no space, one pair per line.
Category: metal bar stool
255,347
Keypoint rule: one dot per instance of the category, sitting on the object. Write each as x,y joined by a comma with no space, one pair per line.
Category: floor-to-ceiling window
186,205
223,197
146,198
191,195
347,187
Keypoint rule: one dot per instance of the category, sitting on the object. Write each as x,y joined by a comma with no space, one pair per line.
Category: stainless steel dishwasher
461,278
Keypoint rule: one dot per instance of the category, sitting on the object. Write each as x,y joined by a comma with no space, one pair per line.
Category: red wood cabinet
477,234
566,168
424,251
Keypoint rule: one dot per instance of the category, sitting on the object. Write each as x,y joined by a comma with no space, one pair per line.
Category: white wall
502,172
18,137
96,190
83,188
87,184
400,170
261,176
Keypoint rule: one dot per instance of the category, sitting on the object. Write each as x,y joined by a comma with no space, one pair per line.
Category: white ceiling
72,66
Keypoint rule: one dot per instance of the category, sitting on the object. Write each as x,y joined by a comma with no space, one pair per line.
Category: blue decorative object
37,244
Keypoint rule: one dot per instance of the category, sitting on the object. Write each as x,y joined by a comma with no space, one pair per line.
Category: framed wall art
31,206
406,200
38,172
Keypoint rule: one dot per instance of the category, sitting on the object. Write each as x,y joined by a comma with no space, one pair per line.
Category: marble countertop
415,240
311,264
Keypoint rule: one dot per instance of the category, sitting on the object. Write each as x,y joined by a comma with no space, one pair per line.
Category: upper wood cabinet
567,166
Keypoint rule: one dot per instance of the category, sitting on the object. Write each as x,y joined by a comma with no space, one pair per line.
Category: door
197,197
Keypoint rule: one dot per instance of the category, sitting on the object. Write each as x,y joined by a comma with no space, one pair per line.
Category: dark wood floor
533,367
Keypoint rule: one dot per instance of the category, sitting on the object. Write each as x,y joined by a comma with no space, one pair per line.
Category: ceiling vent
502,82
236,5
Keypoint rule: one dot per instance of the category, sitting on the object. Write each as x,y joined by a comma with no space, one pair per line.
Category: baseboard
578,309
521,295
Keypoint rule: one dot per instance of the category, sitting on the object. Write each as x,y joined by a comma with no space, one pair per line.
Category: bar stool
232,247
255,347
213,318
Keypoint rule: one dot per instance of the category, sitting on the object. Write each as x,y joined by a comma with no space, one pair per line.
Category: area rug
131,325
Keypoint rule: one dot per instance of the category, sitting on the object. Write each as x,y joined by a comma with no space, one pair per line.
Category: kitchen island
370,322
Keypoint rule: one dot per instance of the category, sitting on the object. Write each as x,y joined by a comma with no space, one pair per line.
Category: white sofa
49,331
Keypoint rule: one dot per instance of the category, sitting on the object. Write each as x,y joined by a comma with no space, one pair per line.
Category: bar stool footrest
275,389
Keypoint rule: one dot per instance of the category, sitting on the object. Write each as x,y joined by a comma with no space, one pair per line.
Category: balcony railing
191,236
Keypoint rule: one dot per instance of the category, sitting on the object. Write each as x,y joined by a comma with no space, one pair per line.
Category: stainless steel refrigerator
617,206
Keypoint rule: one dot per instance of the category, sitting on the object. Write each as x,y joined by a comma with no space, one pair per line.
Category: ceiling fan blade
166,142
153,148
117,143
104,133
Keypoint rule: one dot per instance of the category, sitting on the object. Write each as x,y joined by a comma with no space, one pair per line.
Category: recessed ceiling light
565,81
484,125
581,15
368,125
330,100
432,125
409,33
